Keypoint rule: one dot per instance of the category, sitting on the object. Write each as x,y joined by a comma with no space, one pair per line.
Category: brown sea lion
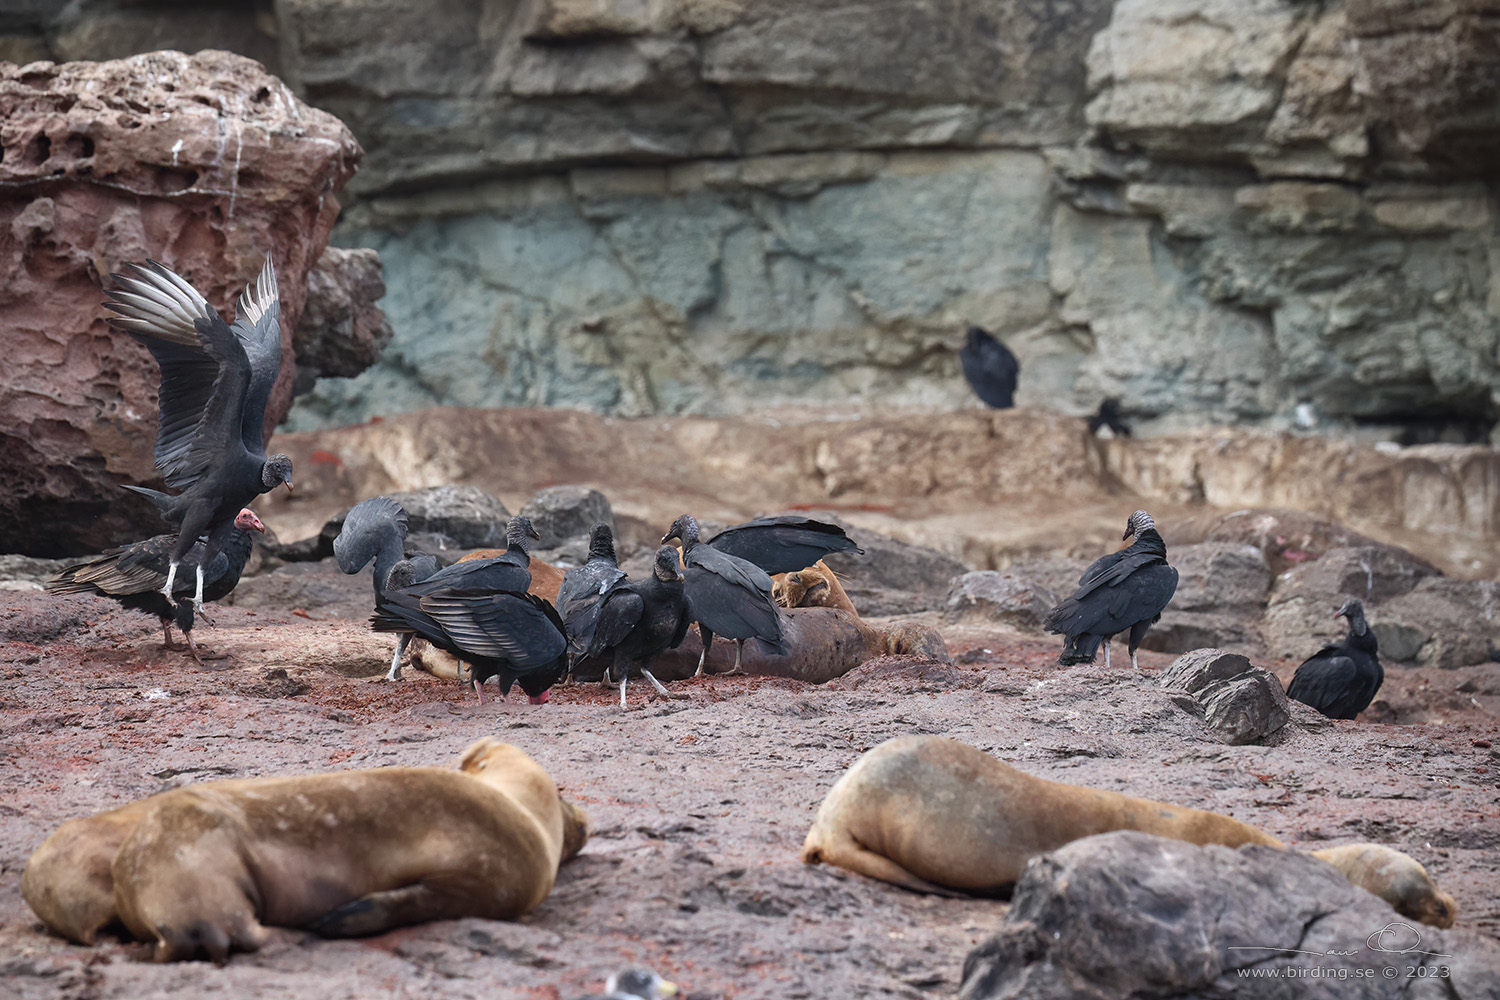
67,881
1397,878
932,814
817,586
208,867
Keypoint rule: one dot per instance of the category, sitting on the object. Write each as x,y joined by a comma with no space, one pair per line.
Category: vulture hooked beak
288,485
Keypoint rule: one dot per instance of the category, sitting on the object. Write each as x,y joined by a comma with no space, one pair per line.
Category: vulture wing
258,327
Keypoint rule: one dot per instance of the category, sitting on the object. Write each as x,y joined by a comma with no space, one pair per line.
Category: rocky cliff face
1217,211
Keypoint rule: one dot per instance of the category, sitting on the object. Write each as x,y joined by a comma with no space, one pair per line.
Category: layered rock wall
1256,212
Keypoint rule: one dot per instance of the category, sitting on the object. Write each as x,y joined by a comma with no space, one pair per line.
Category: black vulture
376,529
215,381
133,575
510,570
638,619
1107,419
512,635
1341,679
729,596
1123,590
785,543
584,588
990,369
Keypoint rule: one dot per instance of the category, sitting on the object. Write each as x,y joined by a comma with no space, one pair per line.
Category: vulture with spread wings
216,378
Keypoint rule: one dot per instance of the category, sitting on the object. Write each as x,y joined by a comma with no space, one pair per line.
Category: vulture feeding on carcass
1341,679
215,380
728,596
1123,590
584,589
638,619
133,575
376,529
511,635
785,543
481,613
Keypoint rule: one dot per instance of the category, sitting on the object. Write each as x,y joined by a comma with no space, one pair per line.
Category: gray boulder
1005,598
1241,702
1442,623
440,518
1221,592
1128,914
564,516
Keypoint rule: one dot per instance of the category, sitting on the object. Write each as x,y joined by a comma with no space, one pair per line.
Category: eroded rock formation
206,163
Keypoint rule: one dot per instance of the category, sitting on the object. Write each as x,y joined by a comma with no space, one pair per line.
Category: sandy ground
699,805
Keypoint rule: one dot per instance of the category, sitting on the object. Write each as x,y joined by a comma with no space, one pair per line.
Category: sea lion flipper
845,852
375,912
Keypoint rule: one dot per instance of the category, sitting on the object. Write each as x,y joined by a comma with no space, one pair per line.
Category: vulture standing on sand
133,575
990,368
1124,590
215,380
1341,679
584,589
376,529
638,619
727,595
785,543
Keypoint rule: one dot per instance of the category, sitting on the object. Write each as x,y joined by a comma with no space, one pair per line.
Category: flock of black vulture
216,379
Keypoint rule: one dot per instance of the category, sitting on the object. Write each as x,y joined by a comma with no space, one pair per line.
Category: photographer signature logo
1395,938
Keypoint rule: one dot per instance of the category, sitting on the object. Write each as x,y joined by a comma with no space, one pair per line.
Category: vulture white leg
394,674
1106,654
171,578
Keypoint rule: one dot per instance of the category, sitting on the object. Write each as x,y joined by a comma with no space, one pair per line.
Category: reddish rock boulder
204,162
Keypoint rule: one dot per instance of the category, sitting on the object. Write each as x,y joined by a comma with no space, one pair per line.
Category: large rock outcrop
206,163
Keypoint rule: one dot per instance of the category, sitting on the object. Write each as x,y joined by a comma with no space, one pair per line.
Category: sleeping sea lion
1397,878
207,867
932,814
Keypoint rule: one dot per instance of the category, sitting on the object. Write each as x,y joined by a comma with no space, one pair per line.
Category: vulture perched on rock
785,543
638,619
727,595
1127,589
990,368
584,589
376,529
215,380
133,575
1341,679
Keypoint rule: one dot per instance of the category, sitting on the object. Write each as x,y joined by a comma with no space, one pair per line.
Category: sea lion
208,867
932,814
67,881
817,586
1397,878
